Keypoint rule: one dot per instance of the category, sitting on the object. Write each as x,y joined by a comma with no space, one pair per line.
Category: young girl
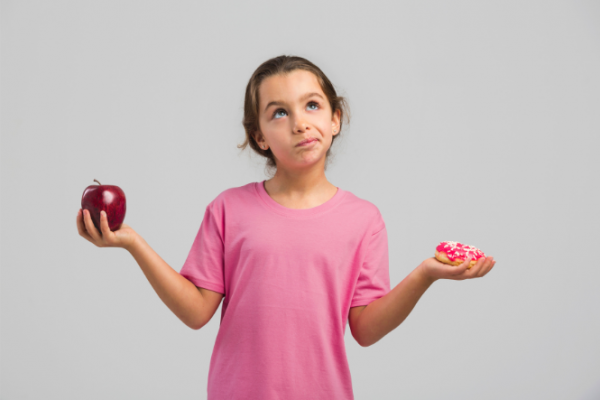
294,258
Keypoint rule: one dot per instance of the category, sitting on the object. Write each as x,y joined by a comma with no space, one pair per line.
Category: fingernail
103,213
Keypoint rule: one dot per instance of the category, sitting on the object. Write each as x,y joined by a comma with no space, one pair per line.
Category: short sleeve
204,263
374,278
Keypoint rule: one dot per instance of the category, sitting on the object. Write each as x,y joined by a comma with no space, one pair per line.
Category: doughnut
455,253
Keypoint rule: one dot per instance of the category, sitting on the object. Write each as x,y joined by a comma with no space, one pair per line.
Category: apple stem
97,181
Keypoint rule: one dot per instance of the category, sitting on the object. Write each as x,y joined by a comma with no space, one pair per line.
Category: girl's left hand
434,269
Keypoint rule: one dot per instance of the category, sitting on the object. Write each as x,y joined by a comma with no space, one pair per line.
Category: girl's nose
300,126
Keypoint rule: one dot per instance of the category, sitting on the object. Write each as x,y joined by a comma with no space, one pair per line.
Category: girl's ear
257,138
335,121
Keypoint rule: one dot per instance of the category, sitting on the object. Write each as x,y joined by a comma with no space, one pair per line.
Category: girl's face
293,107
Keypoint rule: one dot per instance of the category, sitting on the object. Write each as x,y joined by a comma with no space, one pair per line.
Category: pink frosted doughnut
455,253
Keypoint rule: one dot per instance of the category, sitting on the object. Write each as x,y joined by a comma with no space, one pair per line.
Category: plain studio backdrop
471,121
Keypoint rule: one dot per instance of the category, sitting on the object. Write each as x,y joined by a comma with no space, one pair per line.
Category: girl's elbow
195,325
362,342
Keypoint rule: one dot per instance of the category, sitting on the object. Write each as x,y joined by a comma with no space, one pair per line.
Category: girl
295,258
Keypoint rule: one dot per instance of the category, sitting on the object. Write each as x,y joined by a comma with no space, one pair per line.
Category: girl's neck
301,192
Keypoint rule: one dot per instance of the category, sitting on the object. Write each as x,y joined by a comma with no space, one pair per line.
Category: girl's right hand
434,269
123,237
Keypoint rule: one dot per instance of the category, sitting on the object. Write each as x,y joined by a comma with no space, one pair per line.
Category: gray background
471,121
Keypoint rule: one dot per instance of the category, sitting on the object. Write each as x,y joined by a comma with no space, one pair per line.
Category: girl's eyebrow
281,103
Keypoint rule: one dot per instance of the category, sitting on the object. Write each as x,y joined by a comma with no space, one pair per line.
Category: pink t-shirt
289,277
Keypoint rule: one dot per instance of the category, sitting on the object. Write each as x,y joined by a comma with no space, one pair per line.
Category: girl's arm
385,314
193,306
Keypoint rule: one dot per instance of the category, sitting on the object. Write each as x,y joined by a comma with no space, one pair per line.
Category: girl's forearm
385,314
179,294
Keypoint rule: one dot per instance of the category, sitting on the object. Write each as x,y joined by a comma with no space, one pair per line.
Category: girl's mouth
311,141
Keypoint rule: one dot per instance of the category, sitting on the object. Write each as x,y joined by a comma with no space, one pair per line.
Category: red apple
107,198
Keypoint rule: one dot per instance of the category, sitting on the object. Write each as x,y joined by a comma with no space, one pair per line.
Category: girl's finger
472,270
468,263
470,267
482,265
490,267
106,232
464,267
81,227
91,229
486,267
475,270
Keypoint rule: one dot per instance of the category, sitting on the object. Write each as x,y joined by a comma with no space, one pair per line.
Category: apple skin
107,198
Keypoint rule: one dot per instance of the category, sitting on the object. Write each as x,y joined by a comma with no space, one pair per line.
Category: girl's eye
276,113
280,112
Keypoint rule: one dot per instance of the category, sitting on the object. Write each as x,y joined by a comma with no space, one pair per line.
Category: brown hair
283,65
